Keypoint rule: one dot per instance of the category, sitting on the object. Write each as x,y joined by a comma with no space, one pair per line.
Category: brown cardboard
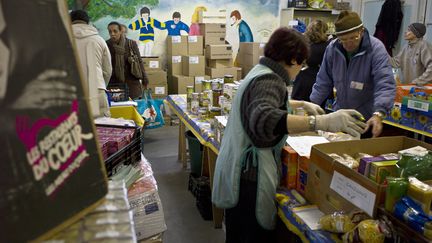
152,63
214,52
322,168
252,48
157,77
218,39
177,45
219,63
212,28
246,70
159,91
193,65
175,66
221,72
198,82
179,83
195,45
245,59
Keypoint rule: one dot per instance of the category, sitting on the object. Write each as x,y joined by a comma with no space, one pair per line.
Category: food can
216,94
215,84
228,78
206,85
202,113
195,106
215,111
189,91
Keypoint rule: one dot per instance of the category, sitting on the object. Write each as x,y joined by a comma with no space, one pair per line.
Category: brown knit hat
347,21
418,29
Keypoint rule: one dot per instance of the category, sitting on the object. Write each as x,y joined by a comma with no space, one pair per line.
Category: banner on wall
51,170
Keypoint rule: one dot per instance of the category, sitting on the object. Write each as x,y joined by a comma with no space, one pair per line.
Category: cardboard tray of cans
120,146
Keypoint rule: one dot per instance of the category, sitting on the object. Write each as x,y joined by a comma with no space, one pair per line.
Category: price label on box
154,64
198,80
193,39
193,60
176,39
418,105
176,59
160,90
262,45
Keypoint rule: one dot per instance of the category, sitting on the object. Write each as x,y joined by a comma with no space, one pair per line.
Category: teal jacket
232,157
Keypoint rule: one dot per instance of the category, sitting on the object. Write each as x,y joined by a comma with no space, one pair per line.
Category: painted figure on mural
245,33
176,26
146,25
194,28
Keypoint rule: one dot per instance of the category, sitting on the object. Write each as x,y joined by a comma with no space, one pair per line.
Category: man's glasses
349,39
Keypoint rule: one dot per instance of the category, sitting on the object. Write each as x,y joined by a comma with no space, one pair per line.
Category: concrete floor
183,220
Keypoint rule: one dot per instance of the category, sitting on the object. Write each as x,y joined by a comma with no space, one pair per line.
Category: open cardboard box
323,169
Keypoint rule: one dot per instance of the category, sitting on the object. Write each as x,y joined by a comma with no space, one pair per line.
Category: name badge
356,85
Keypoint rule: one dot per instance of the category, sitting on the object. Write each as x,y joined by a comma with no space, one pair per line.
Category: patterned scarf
120,51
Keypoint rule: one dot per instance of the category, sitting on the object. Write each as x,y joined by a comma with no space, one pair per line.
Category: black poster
50,169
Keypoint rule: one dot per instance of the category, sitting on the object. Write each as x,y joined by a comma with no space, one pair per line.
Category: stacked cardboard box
186,63
152,63
158,83
249,55
219,61
214,34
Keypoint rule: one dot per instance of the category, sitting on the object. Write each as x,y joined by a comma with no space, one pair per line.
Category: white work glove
341,121
312,109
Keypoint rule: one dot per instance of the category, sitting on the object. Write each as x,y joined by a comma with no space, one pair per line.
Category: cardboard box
179,83
326,176
245,59
152,63
193,65
208,29
218,39
159,91
214,52
195,45
252,48
198,82
245,70
289,159
221,72
177,45
175,66
157,77
219,63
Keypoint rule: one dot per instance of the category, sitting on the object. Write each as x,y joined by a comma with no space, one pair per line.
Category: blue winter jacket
365,84
174,29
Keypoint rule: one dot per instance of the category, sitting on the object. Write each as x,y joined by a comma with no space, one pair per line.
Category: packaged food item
416,166
414,151
412,213
228,78
346,160
396,189
337,222
379,171
368,231
206,85
421,193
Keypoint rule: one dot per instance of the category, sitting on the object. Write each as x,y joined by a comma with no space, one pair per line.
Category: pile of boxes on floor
189,63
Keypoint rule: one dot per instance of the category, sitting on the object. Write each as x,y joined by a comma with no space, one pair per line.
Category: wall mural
151,21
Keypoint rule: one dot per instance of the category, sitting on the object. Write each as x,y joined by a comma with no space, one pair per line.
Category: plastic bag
150,110
418,166
366,231
411,212
337,222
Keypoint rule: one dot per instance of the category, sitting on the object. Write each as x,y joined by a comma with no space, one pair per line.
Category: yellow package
336,223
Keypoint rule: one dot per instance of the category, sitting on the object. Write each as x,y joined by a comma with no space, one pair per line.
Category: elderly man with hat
356,64
415,59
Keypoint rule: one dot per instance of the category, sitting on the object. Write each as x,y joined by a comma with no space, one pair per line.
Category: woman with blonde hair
318,41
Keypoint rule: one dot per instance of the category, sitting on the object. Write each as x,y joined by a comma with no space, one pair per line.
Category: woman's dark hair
287,45
79,15
316,31
115,23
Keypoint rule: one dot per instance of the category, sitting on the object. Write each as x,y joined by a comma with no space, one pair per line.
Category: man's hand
376,123
45,91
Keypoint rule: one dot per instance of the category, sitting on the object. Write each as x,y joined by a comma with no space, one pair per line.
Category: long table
201,129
